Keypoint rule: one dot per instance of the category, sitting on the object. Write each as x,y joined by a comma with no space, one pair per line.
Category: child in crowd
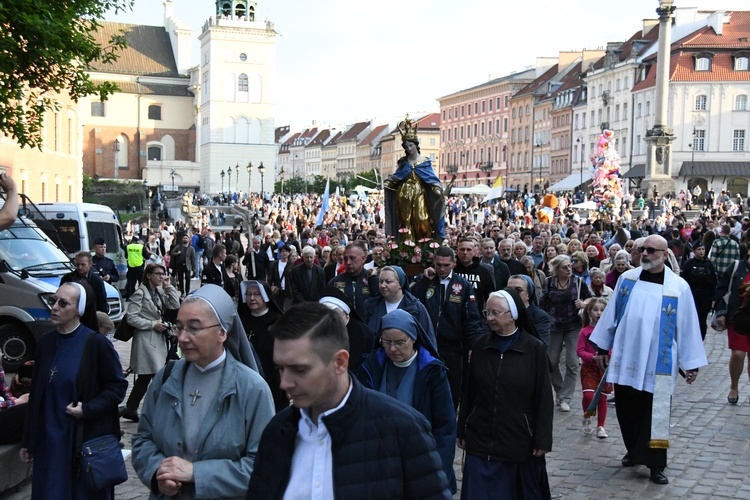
591,375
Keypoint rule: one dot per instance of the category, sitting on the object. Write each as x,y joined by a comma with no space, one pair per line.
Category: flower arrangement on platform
607,182
405,251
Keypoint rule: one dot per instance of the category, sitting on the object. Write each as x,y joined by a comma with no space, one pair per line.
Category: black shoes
657,476
627,461
130,415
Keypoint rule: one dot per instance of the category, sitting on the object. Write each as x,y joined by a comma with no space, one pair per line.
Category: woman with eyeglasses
506,412
563,295
580,263
57,408
407,367
258,312
145,313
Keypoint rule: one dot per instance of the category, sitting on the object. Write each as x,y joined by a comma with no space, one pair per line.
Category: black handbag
100,459
125,330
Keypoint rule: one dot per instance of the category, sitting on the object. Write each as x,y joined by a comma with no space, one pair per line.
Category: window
476,108
243,57
468,131
489,101
154,112
432,141
483,105
639,110
637,144
443,114
617,84
740,103
575,122
648,108
462,111
528,110
625,83
625,111
593,91
481,129
505,124
583,120
97,108
468,110
617,112
741,63
699,140
507,101
154,153
242,83
475,130
701,102
624,147
702,64
513,136
593,117
514,113
489,127
738,140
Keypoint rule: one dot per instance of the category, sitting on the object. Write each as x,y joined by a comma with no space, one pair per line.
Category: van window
70,235
23,248
105,230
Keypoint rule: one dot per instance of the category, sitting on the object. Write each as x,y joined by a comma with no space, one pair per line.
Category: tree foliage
48,47
119,195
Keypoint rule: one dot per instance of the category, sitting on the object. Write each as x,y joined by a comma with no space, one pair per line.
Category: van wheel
17,346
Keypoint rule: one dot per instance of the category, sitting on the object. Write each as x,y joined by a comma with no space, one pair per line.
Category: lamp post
237,173
262,171
222,182
281,177
249,176
229,181
116,149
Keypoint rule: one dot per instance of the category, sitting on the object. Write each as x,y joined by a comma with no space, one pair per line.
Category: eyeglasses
253,294
192,329
650,250
493,314
60,302
573,260
391,343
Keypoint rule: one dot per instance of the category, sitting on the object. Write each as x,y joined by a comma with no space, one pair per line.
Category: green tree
48,48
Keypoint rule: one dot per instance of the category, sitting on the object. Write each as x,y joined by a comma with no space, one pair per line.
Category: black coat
507,407
302,288
481,278
219,277
380,447
275,279
261,264
357,290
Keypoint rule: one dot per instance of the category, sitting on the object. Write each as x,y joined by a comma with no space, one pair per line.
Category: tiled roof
334,140
734,35
536,84
321,138
430,122
289,142
521,75
625,50
149,50
373,135
281,132
145,88
354,131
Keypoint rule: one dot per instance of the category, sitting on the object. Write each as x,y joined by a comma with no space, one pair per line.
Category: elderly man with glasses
648,332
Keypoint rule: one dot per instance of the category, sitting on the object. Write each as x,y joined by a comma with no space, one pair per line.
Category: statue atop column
414,198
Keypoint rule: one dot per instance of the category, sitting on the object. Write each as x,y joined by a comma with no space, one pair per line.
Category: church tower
237,104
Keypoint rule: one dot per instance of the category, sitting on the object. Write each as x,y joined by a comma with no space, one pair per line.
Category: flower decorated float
607,181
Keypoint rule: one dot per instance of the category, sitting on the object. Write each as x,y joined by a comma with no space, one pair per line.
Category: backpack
204,242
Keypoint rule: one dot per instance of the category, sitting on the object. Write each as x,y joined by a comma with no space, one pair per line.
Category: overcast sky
342,61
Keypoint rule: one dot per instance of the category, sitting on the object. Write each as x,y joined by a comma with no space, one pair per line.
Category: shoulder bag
100,459
125,330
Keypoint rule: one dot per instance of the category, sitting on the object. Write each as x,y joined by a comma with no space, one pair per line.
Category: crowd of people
305,333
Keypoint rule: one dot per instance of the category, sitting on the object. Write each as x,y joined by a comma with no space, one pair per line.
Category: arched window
226,8
154,112
741,63
154,152
242,83
239,10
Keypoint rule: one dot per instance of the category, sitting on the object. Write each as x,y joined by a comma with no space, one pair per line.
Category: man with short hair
651,327
525,288
184,262
104,265
339,439
537,251
450,302
724,250
256,261
356,283
470,268
137,253
490,258
86,273
308,279
215,273
505,252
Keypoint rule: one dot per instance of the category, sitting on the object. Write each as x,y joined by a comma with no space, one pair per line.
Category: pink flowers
403,230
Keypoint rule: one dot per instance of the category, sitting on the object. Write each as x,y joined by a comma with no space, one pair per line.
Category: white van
79,224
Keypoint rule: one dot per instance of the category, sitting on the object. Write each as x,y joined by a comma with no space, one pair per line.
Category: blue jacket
432,398
358,290
456,320
380,448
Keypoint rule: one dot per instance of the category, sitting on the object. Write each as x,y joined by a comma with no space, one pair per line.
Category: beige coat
149,350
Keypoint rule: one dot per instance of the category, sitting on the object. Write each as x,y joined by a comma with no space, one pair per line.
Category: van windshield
24,247
107,231
67,231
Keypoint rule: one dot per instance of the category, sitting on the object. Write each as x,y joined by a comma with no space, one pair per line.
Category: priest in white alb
646,336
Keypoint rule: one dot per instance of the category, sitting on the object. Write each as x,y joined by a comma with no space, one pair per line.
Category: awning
570,182
637,171
715,168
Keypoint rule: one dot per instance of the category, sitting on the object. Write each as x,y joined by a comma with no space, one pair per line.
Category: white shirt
312,463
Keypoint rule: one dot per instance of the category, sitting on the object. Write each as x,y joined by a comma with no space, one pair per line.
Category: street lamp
237,173
281,177
116,149
222,181
262,170
249,176
229,180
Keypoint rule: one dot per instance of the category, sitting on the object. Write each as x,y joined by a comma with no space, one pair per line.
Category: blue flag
324,206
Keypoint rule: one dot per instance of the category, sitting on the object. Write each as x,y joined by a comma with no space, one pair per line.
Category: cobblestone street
709,455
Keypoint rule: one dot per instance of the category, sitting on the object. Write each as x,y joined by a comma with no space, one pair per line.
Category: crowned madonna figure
413,195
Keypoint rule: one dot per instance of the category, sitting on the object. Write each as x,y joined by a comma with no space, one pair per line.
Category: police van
31,266
79,224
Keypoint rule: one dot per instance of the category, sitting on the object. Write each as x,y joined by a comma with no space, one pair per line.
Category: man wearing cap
103,264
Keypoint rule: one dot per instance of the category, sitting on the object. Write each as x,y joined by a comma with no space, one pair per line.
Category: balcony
486,167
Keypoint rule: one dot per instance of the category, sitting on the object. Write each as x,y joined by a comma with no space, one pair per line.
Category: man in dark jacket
355,282
452,307
500,268
700,274
214,272
375,447
472,270
256,261
104,265
524,286
85,272
307,279
505,252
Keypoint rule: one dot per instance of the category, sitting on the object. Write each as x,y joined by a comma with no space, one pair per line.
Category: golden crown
408,129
